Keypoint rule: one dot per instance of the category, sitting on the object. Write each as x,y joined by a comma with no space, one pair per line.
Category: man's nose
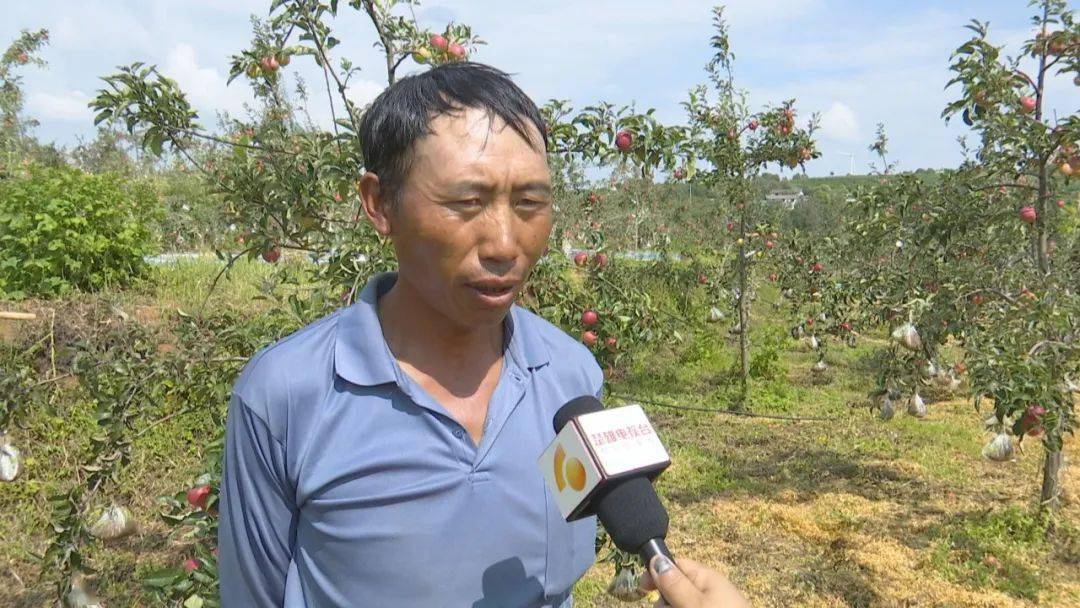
498,241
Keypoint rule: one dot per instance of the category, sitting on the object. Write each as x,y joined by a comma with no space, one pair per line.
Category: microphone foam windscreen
585,404
632,513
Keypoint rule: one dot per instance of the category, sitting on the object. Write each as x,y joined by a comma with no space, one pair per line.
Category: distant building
787,198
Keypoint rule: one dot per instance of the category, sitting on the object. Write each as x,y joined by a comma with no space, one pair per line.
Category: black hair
402,114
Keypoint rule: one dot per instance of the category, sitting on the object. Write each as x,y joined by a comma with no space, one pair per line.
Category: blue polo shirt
346,484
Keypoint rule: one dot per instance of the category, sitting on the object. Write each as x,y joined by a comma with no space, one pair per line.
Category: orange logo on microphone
568,471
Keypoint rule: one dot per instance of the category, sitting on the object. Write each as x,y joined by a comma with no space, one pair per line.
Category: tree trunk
1041,239
744,324
1050,497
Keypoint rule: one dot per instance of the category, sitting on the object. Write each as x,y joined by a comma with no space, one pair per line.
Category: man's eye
532,204
470,203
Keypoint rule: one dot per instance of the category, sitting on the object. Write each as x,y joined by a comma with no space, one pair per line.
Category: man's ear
377,207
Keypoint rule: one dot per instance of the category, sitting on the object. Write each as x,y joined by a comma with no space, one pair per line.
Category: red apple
589,318
977,299
1027,104
1061,204
337,196
269,64
1028,215
271,255
769,244
191,564
22,58
1057,45
580,258
600,260
817,267
1066,168
730,226
679,174
589,338
457,51
702,279
773,277
623,140
198,496
752,125
845,326
439,42
611,343
959,367
1030,423
592,198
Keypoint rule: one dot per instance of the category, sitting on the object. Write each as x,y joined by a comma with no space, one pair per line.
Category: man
386,455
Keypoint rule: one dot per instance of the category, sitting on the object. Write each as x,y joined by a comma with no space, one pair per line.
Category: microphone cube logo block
622,441
569,471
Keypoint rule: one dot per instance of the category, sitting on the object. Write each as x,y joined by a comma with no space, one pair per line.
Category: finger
646,581
676,588
699,574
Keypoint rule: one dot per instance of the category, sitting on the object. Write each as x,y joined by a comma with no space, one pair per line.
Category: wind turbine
852,157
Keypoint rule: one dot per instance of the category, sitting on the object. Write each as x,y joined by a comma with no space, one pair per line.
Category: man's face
473,218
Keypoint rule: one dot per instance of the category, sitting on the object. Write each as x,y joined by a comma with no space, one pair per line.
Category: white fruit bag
907,336
115,522
715,314
916,406
9,459
820,367
626,586
1000,448
82,593
886,407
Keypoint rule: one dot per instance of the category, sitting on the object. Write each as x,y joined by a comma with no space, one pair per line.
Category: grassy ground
846,512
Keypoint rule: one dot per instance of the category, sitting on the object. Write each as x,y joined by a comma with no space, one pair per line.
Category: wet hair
402,114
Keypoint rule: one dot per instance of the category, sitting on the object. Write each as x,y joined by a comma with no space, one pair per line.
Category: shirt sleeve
257,513
597,380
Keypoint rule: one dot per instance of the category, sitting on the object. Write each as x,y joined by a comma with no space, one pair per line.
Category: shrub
62,229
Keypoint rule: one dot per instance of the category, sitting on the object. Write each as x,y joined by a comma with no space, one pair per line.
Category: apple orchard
960,285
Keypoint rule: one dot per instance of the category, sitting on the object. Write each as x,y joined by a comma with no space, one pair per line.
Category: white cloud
97,25
839,123
204,86
362,92
66,106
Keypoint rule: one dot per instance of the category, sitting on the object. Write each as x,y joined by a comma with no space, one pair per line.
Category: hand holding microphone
691,585
602,462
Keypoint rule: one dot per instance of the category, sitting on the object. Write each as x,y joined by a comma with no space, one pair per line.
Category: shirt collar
362,356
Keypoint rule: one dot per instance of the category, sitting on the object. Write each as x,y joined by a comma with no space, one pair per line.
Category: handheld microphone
602,462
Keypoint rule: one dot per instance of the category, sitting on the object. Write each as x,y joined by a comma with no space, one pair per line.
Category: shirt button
459,433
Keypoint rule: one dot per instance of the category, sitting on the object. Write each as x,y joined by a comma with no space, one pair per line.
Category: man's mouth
493,288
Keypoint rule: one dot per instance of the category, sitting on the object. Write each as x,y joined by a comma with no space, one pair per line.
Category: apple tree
734,145
1023,346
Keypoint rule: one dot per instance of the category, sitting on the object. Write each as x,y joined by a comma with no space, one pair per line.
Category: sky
856,63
